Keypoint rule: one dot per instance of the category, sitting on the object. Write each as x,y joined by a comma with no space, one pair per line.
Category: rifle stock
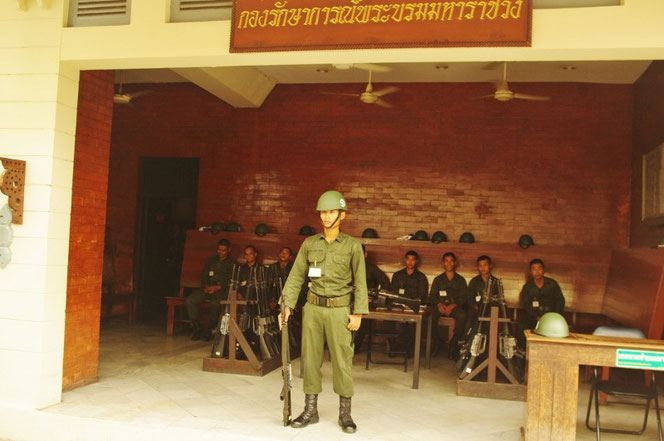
286,371
391,299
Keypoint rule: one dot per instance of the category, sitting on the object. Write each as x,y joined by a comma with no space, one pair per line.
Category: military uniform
448,292
215,272
476,295
413,286
329,300
537,301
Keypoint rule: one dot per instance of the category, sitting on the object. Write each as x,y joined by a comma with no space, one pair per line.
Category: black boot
310,413
198,329
345,420
206,334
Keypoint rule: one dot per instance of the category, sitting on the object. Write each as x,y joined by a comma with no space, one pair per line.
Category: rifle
392,299
477,345
263,324
286,371
219,347
507,343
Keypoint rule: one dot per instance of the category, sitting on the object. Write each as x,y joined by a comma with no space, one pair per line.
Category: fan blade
370,67
481,97
381,102
133,95
386,91
523,96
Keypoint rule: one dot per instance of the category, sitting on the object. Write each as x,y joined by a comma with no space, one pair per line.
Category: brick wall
88,219
559,171
648,134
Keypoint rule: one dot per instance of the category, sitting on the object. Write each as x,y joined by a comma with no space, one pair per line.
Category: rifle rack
490,388
231,365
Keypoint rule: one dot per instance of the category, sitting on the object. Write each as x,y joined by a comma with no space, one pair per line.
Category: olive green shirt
342,270
217,272
446,291
548,298
477,288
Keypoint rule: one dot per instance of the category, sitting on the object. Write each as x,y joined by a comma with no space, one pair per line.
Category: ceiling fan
503,92
125,98
369,96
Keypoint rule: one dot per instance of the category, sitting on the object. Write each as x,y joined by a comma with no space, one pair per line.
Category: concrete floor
152,387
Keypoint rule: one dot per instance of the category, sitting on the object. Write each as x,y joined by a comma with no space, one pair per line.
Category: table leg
428,348
552,401
416,361
170,319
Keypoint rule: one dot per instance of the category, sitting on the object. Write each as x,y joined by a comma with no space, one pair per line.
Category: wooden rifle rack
250,366
490,388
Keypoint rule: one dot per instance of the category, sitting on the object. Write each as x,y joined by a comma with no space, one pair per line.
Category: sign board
630,358
289,25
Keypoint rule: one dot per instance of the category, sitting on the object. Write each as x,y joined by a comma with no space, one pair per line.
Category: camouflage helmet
233,227
217,227
525,241
438,237
331,200
420,235
306,230
370,233
552,324
467,238
261,230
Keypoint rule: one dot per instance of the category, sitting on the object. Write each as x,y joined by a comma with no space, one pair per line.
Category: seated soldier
539,295
215,279
411,283
477,289
376,279
248,274
278,273
449,296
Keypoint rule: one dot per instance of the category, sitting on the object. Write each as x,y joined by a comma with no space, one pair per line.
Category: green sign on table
630,358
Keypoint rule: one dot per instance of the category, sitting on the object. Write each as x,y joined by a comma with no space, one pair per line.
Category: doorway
166,210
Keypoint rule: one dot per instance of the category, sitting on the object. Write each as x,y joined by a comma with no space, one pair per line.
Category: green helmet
306,231
438,237
552,324
525,241
420,235
331,200
467,238
370,233
233,227
218,227
261,230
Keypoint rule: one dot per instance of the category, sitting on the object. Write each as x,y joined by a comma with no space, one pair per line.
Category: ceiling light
568,67
442,67
343,66
322,70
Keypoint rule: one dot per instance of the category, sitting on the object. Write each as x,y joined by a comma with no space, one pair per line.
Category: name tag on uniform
315,272
402,291
244,283
478,298
309,285
442,293
535,304
211,273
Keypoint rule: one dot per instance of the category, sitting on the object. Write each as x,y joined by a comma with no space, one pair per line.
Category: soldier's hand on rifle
354,323
286,314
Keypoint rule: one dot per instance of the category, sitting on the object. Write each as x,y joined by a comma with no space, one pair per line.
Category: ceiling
610,72
246,86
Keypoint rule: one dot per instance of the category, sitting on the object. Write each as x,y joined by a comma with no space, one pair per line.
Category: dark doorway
166,210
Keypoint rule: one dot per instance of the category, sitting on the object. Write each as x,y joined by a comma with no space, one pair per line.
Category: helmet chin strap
335,220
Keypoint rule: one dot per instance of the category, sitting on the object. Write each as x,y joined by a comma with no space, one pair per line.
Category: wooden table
407,317
553,378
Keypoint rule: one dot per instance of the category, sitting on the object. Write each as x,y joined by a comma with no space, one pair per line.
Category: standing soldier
334,263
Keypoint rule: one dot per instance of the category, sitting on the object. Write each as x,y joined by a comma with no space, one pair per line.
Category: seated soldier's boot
198,329
345,420
310,413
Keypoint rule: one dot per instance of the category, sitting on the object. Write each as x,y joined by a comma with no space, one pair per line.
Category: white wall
37,124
